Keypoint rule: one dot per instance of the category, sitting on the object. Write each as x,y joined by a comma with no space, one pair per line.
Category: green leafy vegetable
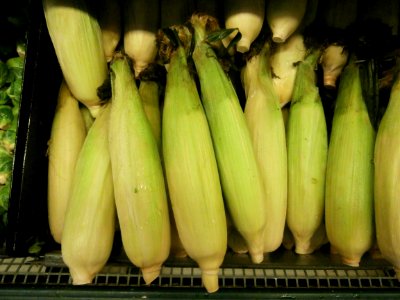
3,74
6,116
16,66
14,91
6,162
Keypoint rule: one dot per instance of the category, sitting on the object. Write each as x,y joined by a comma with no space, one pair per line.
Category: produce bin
26,272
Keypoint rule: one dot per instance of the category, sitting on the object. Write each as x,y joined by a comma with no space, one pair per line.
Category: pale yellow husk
89,225
350,172
284,17
68,132
77,40
140,194
247,17
387,175
267,129
239,173
307,144
283,63
192,173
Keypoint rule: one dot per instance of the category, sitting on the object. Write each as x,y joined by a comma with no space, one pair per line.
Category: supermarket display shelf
313,276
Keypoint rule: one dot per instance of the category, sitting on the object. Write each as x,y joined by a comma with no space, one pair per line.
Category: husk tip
150,273
81,277
257,258
303,250
210,280
330,82
206,21
351,261
243,46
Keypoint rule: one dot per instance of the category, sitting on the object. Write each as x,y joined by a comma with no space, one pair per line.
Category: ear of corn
88,233
240,177
307,154
192,173
387,174
77,40
68,133
141,22
140,194
283,62
247,17
284,17
349,179
265,121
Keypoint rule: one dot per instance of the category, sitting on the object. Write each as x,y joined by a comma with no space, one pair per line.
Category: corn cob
89,226
68,132
307,153
140,194
387,174
190,165
349,179
265,121
240,177
77,40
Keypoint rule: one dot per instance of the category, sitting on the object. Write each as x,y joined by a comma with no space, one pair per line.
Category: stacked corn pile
204,128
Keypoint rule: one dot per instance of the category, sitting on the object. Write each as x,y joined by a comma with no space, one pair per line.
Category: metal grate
29,270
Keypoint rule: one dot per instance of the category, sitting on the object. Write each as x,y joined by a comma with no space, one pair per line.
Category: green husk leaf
219,35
